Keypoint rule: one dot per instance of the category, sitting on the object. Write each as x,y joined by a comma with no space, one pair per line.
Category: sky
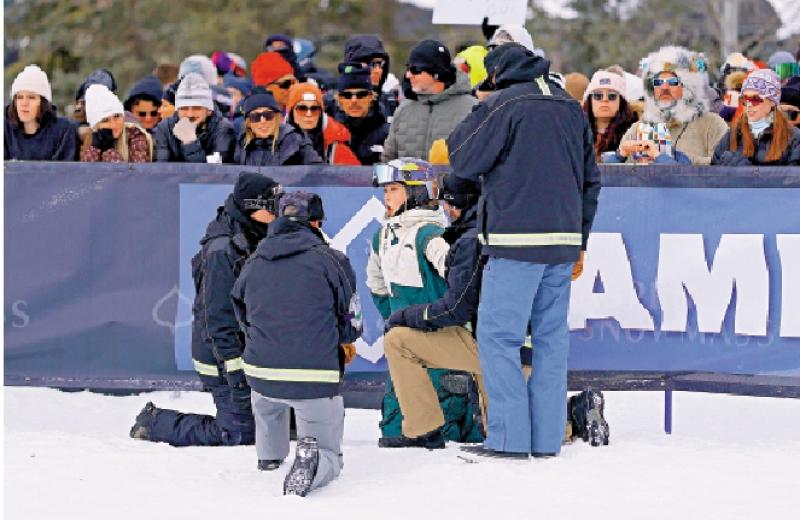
788,10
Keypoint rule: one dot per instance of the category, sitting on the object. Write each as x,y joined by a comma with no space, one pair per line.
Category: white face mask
757,127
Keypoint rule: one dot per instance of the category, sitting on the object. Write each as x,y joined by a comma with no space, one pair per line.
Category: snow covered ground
68,456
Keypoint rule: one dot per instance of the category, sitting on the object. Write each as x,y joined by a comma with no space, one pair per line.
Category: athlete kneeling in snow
406,267
217,342
297,304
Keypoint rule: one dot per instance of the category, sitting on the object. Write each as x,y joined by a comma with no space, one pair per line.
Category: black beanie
253,186
354,75
259,100
458,192
433,57
790,93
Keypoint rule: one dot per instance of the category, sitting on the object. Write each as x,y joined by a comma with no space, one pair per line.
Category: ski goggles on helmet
407,172
269,203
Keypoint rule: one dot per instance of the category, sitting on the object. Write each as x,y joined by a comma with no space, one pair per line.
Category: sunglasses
791,115
600,96
413,69
358,94
283,85
316,109
152,113
255,117
752,101
377,64
672,82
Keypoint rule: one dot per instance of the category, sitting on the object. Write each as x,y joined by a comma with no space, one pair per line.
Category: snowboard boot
588,422
432,440
141,428
304,468
269,464
475,402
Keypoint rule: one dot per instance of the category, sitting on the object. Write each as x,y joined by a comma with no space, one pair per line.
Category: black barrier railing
91,248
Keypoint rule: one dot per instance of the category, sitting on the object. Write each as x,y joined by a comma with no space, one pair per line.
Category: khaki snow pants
410,352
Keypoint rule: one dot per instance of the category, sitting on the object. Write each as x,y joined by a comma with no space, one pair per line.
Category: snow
68,456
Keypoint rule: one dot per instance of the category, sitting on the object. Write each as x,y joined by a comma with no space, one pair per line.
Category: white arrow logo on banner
372,210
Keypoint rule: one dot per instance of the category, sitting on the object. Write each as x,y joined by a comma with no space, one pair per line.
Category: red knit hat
268,67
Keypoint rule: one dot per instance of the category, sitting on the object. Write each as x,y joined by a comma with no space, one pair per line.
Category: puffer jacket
216,135
417,124
292,148
56,140
724,156
296,301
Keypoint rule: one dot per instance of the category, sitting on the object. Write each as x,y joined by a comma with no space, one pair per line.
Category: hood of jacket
690,67
363,46
288,238
512,63
416,217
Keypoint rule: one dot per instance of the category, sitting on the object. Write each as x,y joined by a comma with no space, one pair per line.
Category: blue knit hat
260,100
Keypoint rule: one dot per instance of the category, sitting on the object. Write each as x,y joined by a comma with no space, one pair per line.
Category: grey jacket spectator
419,122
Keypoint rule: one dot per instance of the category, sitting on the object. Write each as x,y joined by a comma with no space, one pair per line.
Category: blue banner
687,268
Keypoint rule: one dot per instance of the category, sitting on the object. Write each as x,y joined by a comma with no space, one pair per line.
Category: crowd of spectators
278,110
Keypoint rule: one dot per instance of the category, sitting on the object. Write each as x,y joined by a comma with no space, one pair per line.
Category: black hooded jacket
367,135
296,301
215,136
363,48
230,238
55,140
531,144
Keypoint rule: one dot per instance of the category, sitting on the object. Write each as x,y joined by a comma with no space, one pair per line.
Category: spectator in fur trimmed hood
676,100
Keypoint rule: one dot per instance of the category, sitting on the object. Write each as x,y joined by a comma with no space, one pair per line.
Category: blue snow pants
231,426
524,417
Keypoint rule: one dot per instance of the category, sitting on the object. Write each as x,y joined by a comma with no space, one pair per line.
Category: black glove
730,158
103,139
240,390
411,316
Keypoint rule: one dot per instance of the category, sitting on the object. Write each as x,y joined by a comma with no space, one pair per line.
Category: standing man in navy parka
531,145
217,342
297,304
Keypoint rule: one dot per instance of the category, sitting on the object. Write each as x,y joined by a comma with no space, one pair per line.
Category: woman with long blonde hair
762,135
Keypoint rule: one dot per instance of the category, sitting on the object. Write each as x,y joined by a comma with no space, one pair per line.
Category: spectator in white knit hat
196,132
607,108
112,138
33,131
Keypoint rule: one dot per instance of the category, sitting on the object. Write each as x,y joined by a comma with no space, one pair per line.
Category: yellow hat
438,154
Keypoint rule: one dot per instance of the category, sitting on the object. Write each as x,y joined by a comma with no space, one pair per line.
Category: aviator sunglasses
313,110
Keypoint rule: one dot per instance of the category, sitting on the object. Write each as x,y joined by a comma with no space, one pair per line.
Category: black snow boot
432,440
269,464
141,428
299,479
586,414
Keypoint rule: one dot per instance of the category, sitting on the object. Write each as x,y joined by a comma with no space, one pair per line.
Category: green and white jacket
407,261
